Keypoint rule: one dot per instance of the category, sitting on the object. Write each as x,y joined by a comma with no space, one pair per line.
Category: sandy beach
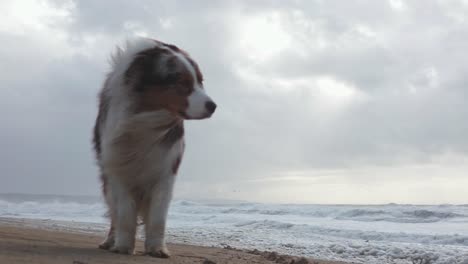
28,241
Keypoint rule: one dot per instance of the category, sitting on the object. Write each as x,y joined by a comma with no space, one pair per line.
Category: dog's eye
183,90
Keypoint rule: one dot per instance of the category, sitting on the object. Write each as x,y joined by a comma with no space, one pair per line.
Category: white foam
364,234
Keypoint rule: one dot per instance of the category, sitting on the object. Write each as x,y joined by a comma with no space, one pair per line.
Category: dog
138,137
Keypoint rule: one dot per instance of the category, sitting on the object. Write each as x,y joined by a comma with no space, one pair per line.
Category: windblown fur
139,137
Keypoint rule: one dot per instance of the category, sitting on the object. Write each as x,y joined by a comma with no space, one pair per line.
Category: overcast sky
318,101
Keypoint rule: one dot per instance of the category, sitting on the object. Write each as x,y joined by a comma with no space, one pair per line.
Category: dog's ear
146,69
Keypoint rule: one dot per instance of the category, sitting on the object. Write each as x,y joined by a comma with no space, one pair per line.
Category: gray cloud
358,84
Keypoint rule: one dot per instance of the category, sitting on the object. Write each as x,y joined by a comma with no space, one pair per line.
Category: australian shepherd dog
151,89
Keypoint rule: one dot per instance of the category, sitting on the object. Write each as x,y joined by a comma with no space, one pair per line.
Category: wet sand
25,243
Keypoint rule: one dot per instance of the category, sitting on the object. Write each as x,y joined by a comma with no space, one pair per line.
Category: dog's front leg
155,223
125,220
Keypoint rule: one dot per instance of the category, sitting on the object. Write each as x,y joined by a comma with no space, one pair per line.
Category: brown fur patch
100,119
168,89
174,134
184,53
141,71
176,165
158,98
197,69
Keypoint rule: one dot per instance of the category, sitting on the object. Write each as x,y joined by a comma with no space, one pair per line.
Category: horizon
214,200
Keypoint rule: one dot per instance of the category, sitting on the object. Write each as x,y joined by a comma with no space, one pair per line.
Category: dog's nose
210,106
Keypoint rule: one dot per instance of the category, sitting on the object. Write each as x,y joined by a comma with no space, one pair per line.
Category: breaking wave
363,233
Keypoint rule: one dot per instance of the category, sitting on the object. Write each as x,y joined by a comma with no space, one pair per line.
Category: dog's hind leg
110,239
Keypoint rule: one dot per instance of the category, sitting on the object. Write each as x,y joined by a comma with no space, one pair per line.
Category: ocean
380,234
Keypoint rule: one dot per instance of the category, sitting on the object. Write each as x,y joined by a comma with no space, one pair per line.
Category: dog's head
166,77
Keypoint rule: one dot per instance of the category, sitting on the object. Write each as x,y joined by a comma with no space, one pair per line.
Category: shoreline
46,241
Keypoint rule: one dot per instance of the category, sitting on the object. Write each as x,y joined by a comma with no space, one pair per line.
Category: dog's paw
122,250
106,245
158,252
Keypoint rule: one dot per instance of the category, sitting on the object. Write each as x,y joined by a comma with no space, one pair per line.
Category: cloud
304,88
